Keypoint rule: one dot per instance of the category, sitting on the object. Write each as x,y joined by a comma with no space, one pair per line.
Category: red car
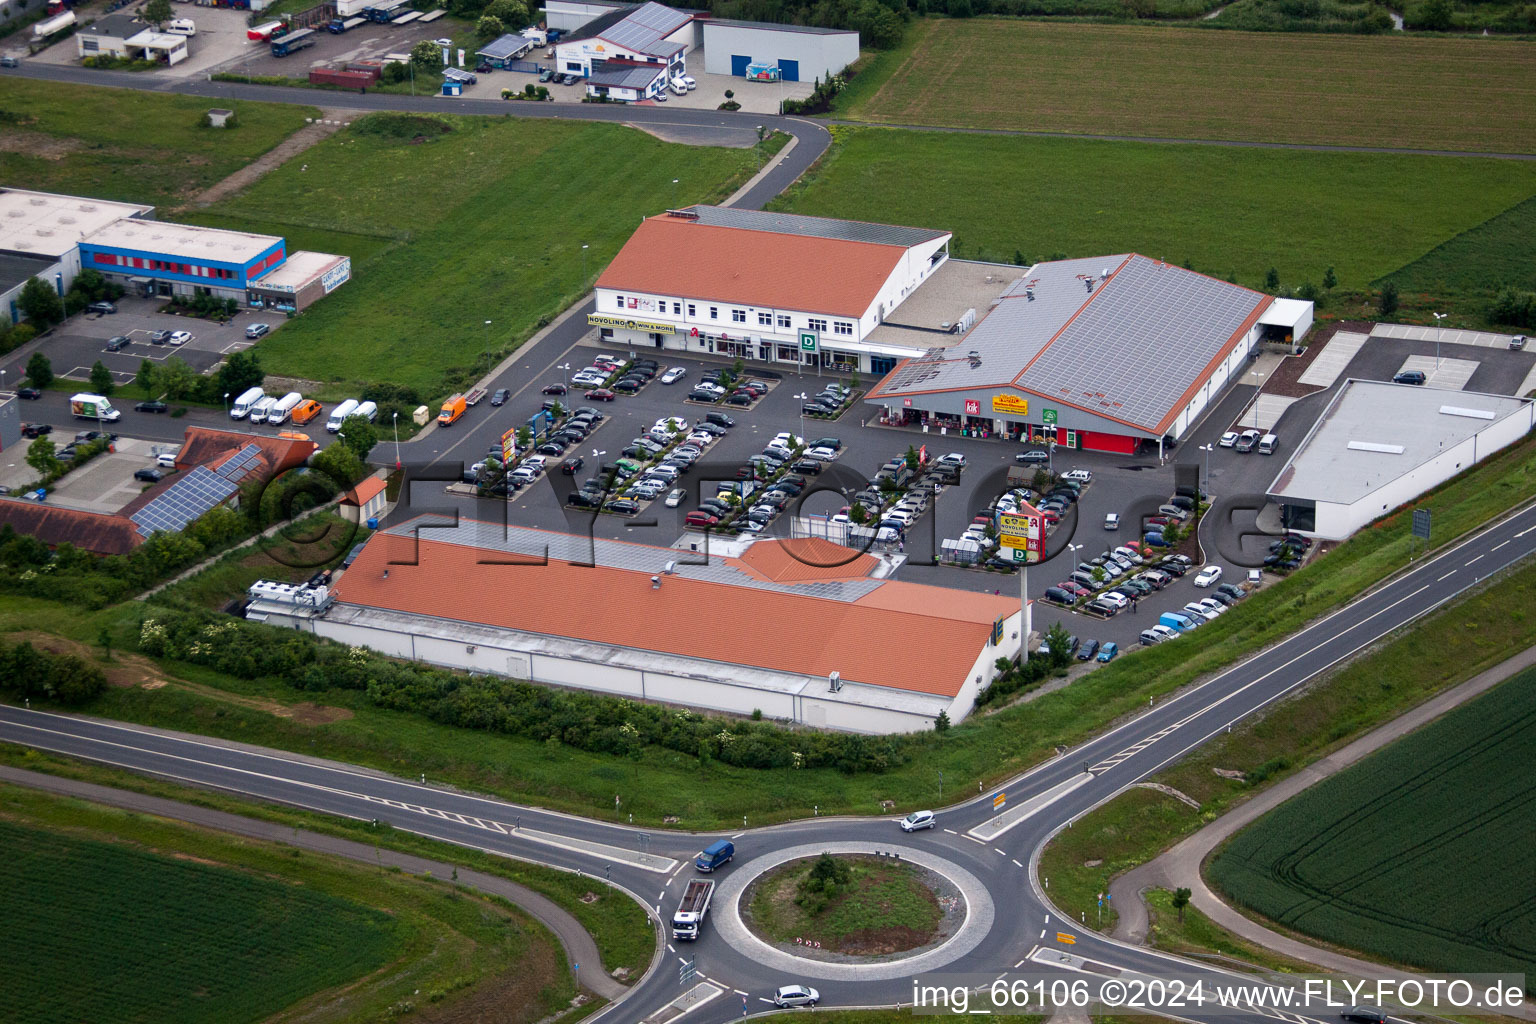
555,389
1074,588
599,395
701,519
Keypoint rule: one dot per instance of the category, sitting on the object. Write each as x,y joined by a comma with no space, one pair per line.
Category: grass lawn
1224,210
616,923
124,917
884,907
443,253
145,147
1475,264
1448,647
1409,854
292,555
1186,83
1196,933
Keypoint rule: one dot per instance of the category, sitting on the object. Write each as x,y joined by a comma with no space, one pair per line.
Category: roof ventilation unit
975,358
684,214
835,682
968,320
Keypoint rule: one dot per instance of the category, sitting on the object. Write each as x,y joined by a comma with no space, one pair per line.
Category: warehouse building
155,257
779,288
626,83
299,280
128,38
1117,354
1378,446
803,630
644,34
569,15
40,236
788,53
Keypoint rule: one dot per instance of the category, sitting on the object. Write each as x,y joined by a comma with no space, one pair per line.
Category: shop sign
599,320
337,276
1048,417
809,341
973,407
1010,404
906,403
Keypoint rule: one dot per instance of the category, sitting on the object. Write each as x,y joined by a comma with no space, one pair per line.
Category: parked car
1208,576
1415,377
159,337
1246,440
1107,651
147,475
180,337
1087,651
257,330
151,407
1228,439
1034,456
36,429
102,308
118,343
571,465
917,820
30,394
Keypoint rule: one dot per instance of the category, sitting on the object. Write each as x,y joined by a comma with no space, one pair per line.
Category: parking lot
76,345
365,42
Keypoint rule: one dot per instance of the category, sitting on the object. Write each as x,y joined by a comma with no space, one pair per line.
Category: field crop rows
1420,854
105,933
1188,83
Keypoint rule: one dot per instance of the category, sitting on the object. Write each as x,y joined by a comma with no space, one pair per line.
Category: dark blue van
715,855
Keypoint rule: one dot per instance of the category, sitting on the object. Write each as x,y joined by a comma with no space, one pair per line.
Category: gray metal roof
115,26
641,29
624,76
544,544
509,45
770,26
1374,432
814,227
1123,337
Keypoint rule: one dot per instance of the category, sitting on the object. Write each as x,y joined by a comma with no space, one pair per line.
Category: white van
283,407
339,415
677,87
242,406
181,27
1267,444
367,410
261,408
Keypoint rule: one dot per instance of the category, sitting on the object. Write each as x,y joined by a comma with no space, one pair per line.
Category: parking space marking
1331,361
1446,336
1529,384
1451,374
1265,411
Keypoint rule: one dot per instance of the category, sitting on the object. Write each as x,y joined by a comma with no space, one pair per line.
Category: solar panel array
815,227
239,464
534,545
184,502
644,28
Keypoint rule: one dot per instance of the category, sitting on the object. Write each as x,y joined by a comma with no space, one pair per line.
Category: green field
1420,854
145,147
1184,83
453,222
121,917
1474,265
884,907
1225,210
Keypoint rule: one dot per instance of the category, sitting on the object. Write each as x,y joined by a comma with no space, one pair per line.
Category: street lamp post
1205,476
1438,330
226,405
802,397
397,438
583,266
567,368
674,193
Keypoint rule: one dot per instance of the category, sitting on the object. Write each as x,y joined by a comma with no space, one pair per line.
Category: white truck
283,408
691,910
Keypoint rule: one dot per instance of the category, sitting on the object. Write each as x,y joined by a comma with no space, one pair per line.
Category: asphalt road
1010,920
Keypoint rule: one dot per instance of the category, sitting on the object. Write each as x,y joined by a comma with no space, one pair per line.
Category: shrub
1511,306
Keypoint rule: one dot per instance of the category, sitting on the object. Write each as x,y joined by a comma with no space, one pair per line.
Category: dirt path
1180,866
331,121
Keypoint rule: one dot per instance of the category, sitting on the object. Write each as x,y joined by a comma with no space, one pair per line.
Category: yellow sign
999,800
1011,404
1063,937
1022,526
598,320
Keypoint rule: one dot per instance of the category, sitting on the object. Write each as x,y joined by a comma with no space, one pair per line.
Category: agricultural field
90,141
1414,854
1472,267
1475,94
452,269
1225,210
118,917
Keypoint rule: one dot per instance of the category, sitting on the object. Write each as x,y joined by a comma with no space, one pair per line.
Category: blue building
152,257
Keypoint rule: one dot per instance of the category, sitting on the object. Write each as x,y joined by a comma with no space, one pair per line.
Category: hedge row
26,671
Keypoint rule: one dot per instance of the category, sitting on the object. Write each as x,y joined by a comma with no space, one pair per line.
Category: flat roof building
1378,446
798,53
799,629
40,235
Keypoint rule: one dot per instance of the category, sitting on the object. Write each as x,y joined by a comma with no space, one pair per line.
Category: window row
739,316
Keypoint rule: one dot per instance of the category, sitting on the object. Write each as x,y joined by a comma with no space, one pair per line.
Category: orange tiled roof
806,558
97,532
674,256
363,492
903,635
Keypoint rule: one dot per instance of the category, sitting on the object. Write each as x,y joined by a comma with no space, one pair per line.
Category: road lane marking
1497,546
1000,853
1016,862
1478,558
1447,576
1009,819
951,831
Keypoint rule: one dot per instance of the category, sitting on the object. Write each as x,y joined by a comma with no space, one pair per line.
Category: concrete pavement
1180,866
573,938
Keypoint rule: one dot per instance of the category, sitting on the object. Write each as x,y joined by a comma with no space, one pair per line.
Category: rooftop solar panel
239,464
184,502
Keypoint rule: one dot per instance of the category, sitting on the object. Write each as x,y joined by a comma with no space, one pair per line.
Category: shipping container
345,79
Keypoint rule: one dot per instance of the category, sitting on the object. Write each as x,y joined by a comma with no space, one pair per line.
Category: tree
1056,640
857,514
176,378
1388,300
157,12
941,724
101,378
145,378
43,456
509,12
1330,279
1435,15
240,372
489,27
427,54
1180,901
360,435
1272,280
40,304
39,370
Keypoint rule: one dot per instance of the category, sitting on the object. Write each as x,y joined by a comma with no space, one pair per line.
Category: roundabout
974,913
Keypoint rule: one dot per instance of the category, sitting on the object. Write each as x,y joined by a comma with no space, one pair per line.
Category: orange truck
452,410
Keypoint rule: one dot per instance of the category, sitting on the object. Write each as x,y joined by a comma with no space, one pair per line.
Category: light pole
226,405
397,438
583,266
941,785
1207,449
567,368
487,335
802,397
1438,317
674,193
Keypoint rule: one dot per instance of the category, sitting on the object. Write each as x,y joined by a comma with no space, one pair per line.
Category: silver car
796,995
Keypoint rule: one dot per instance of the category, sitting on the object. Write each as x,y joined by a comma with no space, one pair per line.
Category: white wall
820,54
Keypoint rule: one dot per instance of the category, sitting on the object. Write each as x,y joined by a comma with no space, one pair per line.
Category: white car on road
796,995
1208,576
917,820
